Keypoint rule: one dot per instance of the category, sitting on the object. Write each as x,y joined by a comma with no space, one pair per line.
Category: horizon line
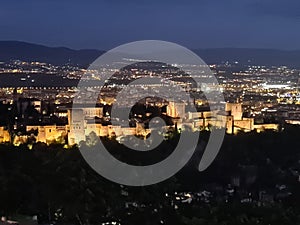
198,48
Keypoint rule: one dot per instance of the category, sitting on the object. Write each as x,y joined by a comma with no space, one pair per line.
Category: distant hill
269,57
60,55
12,50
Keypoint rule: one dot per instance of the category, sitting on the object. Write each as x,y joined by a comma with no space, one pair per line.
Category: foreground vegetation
58,186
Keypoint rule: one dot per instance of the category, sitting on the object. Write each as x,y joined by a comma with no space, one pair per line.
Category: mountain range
16,50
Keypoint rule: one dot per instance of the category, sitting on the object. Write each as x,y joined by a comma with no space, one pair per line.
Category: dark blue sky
104,24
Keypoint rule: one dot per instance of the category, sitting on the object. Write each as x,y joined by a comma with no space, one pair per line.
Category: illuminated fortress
81,123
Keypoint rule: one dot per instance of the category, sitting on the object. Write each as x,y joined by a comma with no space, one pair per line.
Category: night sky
103,24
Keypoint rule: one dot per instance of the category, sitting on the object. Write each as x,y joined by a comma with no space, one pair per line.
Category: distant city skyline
195,24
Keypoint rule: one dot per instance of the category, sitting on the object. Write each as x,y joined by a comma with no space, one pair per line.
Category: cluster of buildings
86,120
265,92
